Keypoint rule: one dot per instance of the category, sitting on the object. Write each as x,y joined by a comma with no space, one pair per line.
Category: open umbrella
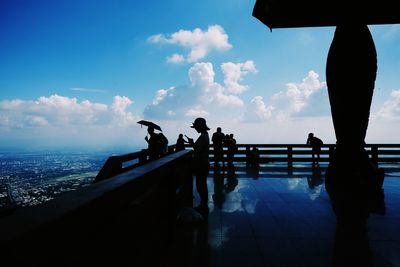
315,13
150,124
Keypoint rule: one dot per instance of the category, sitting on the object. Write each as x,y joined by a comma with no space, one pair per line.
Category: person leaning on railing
316,145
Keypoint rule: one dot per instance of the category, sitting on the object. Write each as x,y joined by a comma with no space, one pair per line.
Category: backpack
318,142
163,143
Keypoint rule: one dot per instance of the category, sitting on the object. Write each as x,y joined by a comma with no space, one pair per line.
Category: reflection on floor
277,222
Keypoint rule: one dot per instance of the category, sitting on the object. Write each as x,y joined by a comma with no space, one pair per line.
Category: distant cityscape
31,178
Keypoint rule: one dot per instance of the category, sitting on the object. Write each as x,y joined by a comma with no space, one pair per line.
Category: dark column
350,73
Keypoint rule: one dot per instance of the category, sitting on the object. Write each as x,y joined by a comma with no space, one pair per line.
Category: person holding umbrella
157,143
201,164
153,149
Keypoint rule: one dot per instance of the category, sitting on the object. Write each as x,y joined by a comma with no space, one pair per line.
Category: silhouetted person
232,138
218,139
230,143
201,164
350,74
164,141
254,157
316,144
156,144
180,143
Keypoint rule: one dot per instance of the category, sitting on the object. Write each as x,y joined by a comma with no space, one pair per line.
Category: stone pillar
350,74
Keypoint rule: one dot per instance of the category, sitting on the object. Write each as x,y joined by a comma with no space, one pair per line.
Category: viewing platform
277,214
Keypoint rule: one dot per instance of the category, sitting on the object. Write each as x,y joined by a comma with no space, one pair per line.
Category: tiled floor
277,222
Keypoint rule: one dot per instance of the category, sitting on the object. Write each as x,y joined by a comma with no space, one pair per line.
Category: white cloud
61,111
298,96
175,59
60,121
234,73
198,41
120,103
200,97
37,121
157,38
196,112
4,121
390,109
121,116
11,104
257,110
306,98
202,77
220,98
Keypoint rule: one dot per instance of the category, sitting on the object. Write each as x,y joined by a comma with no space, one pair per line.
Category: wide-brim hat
200,123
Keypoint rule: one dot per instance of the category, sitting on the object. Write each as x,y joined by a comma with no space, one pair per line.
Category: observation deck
276,214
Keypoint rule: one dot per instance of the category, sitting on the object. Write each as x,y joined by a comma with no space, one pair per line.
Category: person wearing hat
201,164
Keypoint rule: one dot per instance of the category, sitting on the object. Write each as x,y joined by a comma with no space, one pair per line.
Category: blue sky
81,73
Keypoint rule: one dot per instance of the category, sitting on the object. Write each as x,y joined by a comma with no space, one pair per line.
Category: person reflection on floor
253,172
232,180
219,195
316,178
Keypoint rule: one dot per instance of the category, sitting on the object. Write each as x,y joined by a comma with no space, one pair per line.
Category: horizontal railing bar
267,152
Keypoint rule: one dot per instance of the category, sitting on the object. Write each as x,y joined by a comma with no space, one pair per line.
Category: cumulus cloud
11,104
4,120
176,59
199,42
234,73
297,95
201,95
391,108
306,98
196,112
121,116
63,111
257,110
37,121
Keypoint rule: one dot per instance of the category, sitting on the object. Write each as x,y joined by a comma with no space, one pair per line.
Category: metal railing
290,153
115,165
268,153
296,155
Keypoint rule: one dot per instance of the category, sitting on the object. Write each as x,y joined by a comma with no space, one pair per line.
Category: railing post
331,150
112,167
247,155
374,154
290,159
143,156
